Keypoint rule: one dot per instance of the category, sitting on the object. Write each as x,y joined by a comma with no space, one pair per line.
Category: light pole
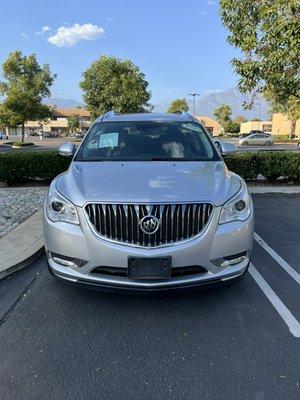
194,101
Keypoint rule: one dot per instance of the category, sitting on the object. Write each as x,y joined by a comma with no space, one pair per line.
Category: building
265,126
282,125
58,122
211,125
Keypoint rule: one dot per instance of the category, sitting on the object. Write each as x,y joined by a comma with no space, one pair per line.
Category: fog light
67,261
230,260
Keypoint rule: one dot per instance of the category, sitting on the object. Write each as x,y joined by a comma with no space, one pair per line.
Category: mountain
62,103
209,101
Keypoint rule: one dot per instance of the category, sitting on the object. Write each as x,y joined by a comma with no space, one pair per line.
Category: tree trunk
293,129
23,131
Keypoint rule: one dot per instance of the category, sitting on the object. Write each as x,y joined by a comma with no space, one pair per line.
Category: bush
275,164
16,168
244,164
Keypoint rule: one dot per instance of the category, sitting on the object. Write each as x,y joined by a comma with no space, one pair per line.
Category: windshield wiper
173,159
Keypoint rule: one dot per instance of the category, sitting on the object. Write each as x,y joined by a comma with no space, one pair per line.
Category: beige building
264,126
59,121
281,125
211,125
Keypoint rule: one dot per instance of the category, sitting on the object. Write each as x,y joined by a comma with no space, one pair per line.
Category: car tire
245,143
268,143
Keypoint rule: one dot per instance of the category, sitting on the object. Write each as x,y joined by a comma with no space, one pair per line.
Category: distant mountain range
208,102
205,104
62,103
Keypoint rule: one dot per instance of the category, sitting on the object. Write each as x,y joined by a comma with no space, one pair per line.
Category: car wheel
245,143
268,143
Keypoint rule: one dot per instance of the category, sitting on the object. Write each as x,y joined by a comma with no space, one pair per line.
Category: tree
25,85
240,119
178,105
231,126
268,34
73,123
223,113
113,84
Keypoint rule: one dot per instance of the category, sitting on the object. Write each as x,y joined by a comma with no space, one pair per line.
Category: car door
253,139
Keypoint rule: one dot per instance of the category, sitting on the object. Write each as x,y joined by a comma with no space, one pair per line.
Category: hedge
18,168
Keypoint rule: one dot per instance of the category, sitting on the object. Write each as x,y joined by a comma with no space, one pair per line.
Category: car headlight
59,208
238,208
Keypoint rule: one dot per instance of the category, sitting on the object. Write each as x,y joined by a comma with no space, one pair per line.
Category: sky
179,45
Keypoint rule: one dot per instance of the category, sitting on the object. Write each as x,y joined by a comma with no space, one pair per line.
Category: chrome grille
121,222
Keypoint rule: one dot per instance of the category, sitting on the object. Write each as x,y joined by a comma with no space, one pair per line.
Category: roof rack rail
186,114
109,114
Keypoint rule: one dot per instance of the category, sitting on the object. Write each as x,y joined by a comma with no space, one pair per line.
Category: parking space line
283,311
294,274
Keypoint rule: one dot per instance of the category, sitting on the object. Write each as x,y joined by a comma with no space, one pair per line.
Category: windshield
147,141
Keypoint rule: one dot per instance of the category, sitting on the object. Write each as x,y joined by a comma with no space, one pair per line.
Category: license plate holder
149,268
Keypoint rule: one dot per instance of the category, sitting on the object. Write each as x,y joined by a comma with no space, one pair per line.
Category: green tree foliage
25,85
73,123
223,113
178,105
232,126
114,84
268,34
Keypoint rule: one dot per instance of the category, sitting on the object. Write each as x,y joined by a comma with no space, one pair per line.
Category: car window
145,141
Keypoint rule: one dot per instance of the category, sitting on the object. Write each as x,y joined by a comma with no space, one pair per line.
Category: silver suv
147,204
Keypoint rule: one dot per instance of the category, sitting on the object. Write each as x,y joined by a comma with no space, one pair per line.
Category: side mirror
67,149
225,148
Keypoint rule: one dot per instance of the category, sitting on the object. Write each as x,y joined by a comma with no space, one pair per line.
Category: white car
257,139
3,136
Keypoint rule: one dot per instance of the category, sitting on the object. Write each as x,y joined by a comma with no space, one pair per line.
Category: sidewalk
22,245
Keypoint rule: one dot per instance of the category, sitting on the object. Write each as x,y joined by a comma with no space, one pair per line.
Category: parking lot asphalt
240,341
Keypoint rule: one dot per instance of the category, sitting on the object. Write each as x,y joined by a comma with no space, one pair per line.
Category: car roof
112,116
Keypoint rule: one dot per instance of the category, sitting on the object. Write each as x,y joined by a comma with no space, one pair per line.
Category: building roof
67,112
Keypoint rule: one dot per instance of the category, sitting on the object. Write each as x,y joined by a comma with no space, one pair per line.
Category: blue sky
179,45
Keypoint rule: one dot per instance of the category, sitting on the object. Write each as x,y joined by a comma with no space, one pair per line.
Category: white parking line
283,311
294,274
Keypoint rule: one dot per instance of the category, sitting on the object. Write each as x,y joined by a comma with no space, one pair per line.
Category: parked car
50,135
3,136
79,135
147,204
257,139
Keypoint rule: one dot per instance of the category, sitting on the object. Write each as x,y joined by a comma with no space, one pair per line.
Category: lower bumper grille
149,225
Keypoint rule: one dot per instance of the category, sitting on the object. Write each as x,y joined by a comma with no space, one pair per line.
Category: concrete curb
21,246
274,189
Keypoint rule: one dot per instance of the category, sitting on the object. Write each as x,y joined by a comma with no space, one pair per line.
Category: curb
22,264
21,246
274,189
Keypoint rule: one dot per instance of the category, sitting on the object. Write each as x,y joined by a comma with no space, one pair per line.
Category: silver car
257,139
147,204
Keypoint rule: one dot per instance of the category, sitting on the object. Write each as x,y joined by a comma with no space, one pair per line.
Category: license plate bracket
149,268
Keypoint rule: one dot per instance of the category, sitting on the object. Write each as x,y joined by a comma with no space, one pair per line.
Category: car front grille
122,222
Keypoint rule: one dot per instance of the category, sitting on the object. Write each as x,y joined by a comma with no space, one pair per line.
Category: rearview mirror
67,149
225,148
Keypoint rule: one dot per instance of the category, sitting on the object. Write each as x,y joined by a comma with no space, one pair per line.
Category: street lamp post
194,101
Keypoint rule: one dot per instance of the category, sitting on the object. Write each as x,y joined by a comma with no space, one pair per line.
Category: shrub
275,164
21,167
244,164
16,168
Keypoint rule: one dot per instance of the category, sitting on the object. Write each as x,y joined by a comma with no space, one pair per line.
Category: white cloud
110,19
69,36
44,29
25,36
210,3
203,12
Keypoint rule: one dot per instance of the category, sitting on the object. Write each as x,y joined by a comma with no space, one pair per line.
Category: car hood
148,182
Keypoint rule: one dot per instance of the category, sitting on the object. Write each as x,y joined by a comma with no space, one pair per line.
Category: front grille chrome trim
179,222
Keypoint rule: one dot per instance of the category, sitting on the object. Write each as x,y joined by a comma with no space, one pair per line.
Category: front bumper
80,242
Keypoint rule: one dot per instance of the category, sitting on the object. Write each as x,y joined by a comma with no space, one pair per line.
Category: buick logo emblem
149,224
